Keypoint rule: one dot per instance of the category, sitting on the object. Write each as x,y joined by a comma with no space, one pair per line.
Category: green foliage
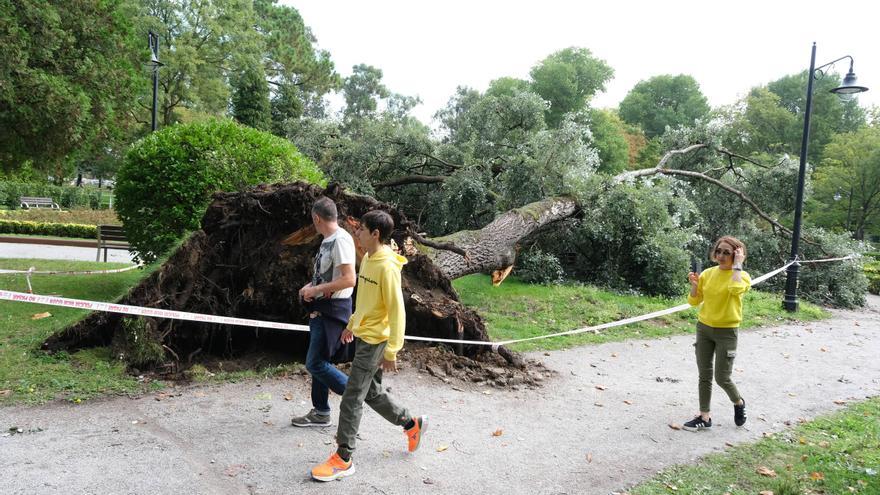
66,78
630,237
65,196
168,177
567,80
137,343
537,267
664,101
610,140
847,183
362,89
250,99
872,272
51,229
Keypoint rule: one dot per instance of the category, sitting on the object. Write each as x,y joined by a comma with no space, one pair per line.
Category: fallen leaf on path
428,481
487,392
628,402
498,432
288,396
600,387
598,404
792,394
613,354
766,492
840,402
589,458
671,487
268,423
728,444
816,476
823,349
675,426
765,471
4,393
442,448
824,444
40,316
802,441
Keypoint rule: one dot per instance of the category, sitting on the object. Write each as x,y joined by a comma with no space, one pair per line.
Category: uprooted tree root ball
249,260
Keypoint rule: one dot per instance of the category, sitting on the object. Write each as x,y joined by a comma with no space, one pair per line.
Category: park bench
110,237
35,202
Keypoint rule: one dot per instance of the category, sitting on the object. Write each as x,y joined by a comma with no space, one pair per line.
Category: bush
167,178
44,228
538,267
84,216
65,196
630,237
872,272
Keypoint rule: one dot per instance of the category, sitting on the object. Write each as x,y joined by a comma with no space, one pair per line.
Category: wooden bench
34,202
110,237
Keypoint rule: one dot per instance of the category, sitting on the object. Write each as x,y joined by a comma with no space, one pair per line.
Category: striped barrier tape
227,320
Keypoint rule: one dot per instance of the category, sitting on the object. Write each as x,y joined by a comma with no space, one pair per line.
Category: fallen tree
250,258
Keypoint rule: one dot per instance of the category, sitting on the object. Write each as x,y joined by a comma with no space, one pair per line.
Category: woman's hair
381,221
733,241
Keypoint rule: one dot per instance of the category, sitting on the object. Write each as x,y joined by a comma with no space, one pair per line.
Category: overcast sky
427,48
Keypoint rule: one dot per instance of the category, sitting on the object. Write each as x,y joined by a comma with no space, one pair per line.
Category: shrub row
872,271
45,228
65,196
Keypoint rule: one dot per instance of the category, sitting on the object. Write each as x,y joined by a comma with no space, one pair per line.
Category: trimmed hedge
168,177
65,196
872,271
45,228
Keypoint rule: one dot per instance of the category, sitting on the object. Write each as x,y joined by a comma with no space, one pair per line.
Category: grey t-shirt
335,251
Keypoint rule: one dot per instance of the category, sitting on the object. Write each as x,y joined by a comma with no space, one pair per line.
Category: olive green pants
718,344
365,385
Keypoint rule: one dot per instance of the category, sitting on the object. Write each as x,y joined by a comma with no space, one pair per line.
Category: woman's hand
694,279
738,257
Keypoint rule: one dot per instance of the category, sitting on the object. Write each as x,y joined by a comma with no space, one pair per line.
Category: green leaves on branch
167,178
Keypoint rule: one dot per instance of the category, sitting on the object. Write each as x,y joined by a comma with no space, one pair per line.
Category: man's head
376,228
324,215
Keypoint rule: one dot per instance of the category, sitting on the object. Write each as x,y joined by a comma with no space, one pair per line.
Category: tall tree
250,98
847,184
610,139
568,79
362,90
65,78
664,101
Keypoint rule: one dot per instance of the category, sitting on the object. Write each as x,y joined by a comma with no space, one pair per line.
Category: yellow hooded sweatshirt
379,312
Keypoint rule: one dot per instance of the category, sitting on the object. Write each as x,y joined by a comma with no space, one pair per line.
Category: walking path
45,251
599,426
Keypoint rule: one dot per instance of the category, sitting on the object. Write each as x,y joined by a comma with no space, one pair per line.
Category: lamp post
155,64
846,90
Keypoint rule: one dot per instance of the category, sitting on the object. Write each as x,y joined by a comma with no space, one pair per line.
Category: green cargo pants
719,343
365,385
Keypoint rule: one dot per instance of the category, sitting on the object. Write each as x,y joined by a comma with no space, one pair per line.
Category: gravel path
600,426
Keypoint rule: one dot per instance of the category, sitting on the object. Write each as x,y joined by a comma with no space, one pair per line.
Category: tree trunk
494,246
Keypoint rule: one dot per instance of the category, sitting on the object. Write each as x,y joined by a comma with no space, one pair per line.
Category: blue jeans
325,376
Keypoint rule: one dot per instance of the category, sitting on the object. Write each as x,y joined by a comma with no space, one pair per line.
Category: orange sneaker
333,469
414,434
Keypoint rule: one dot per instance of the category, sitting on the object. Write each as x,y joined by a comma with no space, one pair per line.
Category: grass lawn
835,454
27,375
517,310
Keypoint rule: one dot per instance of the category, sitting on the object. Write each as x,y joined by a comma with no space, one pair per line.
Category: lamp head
850,85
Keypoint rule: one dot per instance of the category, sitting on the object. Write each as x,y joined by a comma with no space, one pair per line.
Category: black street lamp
845,90
155,64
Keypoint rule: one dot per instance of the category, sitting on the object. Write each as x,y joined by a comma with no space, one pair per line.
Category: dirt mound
250,258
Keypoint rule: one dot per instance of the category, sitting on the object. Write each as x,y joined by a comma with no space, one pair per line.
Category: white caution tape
32,271
226,320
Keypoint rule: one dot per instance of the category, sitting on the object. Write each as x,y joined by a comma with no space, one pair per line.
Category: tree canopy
664,101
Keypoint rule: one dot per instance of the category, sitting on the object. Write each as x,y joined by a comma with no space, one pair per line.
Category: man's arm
345,280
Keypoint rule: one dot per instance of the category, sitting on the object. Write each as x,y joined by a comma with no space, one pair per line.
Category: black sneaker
312,419
739,413
698,423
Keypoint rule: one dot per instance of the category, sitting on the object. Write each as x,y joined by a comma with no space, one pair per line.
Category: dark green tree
664,101
66,77
568,79
250,99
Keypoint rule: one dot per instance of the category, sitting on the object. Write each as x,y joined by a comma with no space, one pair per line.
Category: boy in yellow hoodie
377,326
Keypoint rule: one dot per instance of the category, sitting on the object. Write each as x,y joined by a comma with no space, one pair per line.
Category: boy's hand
347,336
389,366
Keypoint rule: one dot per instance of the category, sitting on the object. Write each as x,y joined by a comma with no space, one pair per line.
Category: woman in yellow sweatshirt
720,289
